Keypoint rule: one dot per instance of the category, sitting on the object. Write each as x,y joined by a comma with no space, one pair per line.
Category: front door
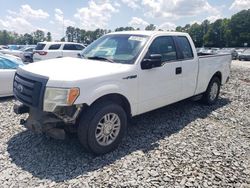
162,85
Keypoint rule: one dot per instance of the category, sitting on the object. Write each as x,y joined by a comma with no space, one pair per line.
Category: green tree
28,38
179,29
48,38
70,33
217,34
196,33
124,29
240,28
150,27
4,37
38,36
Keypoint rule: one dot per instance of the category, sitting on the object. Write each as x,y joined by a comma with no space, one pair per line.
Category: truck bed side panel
208,66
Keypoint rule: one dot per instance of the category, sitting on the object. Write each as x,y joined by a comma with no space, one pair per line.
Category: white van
49,50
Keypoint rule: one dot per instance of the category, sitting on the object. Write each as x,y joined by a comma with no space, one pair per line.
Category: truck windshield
117,48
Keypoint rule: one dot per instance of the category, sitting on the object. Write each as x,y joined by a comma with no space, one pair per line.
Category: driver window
164,46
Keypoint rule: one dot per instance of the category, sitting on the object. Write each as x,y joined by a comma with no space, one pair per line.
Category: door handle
178,70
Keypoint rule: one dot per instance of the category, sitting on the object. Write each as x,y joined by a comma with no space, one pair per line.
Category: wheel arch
118,99
218,74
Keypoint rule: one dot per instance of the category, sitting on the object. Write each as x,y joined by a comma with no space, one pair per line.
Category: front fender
104,90
94,93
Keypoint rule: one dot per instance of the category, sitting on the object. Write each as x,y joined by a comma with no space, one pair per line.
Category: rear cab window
185,47
40,46
54,46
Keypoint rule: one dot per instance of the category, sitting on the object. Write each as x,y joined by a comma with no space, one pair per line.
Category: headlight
59,97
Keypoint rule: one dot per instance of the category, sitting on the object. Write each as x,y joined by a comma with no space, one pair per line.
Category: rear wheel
102,127
212,93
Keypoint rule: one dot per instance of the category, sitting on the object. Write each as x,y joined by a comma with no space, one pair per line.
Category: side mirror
153,61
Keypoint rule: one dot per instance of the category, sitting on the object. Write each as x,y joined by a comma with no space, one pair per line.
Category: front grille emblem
20,88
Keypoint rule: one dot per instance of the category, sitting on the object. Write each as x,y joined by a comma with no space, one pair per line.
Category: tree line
7,37
233,32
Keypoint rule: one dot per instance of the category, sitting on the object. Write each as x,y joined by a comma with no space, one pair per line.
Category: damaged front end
53,124
51,110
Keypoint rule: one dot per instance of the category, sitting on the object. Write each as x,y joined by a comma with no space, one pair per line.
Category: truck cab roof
149,33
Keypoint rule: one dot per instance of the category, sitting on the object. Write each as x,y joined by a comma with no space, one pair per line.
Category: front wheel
102,127
212,93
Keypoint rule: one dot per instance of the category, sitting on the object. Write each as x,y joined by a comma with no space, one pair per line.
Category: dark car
27,54
245,55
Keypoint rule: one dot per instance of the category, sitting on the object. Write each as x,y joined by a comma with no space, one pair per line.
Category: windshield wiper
101,58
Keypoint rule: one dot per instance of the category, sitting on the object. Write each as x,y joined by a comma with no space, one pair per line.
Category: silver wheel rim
214,91
108,129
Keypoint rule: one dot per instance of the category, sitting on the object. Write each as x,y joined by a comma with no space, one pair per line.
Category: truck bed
208,66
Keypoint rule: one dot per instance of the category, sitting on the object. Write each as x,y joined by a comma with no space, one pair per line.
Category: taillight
40,52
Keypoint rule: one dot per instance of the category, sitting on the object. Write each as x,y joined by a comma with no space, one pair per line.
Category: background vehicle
121,75
27,54
49,50
16,53
8,68
2,47
245,55
208,51
231,51
21,50
239,51
10,56
15,47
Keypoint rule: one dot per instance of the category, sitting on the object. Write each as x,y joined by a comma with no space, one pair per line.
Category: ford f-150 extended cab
119,76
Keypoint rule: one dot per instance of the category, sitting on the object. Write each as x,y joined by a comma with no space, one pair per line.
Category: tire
92,125
211,95
30,60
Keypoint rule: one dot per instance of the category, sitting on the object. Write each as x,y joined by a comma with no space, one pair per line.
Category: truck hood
72,69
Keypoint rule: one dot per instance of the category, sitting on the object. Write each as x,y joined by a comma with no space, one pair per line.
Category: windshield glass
8,64
123,48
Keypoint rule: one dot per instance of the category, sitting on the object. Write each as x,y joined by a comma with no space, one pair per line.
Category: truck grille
29,91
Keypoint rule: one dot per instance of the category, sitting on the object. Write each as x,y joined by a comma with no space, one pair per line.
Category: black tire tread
85,121
205,97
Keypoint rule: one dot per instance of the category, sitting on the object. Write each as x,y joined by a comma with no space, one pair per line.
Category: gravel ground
182,145
242,64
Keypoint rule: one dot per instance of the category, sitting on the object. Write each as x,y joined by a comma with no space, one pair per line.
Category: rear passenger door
162,85
189,66
72,50
55,51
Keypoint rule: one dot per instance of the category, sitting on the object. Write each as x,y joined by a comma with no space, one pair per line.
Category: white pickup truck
119,76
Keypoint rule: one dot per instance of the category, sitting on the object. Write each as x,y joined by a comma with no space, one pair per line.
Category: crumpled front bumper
41,122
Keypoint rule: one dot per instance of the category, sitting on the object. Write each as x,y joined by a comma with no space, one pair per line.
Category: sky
26,16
